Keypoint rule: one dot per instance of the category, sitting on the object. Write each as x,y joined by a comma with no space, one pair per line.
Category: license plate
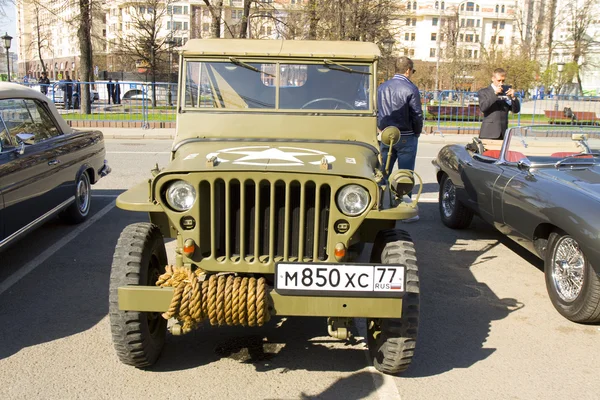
351,280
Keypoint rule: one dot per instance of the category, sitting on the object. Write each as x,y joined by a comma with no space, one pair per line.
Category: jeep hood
348,158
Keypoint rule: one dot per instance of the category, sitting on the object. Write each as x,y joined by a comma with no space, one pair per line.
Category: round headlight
181,195
353,200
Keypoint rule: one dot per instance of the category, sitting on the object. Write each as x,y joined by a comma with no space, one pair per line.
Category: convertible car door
479,178
27,180
524,198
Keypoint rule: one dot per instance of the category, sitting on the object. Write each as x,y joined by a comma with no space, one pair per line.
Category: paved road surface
487,329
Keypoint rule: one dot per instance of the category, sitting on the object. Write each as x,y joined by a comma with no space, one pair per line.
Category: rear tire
79,210
392,341
453,213
140,258
573,285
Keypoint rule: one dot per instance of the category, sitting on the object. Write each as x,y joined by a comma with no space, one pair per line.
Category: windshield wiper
330,64
248,66
580,157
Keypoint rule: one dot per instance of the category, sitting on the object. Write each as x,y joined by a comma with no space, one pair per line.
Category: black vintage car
540,187
46,167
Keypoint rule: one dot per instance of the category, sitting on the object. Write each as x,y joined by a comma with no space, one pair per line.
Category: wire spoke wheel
568,264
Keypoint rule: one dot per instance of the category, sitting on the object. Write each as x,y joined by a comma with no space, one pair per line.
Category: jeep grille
274,221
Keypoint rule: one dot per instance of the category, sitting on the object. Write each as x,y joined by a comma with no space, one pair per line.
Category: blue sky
9,24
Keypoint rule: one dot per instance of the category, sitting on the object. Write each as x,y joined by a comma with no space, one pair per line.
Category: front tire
572,283
79,210
453,213
140,258
392,341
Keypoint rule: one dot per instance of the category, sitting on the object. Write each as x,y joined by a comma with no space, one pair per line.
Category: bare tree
578,17
145,42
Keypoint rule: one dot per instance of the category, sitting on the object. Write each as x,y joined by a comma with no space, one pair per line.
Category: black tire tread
461,216
131,342
399,335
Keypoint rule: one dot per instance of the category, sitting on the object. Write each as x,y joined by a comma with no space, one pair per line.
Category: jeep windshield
236,84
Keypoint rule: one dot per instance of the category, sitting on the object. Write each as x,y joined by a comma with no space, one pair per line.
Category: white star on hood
270,154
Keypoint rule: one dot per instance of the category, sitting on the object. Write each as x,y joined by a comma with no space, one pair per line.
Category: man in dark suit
495,101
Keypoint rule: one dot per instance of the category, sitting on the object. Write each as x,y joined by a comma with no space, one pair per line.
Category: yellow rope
223,300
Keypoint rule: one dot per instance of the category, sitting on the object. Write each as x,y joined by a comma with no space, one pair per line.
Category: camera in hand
505,89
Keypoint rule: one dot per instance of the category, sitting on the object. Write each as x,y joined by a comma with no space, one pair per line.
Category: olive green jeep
274,186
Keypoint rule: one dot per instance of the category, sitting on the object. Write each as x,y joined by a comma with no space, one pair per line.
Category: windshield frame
278,62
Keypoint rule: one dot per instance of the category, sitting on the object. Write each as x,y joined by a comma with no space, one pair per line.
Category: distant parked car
46,167
56,94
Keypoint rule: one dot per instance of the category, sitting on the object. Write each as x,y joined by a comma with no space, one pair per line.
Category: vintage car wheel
453,213
139,259
572,283
392,341
80,209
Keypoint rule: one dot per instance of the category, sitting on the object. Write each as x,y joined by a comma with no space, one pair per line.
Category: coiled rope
223,299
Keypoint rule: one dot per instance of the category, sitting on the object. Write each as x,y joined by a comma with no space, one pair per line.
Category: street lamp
388,43
560,66
7,40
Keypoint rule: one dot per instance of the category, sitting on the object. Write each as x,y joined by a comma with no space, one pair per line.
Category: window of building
408,21
437,5
502,24
469,38
497,8
462,23
475,53
406,36
477,8
185,26
477,38
413,36
414,22
434,36
405,51
470,23
414,5
478,23
502,11
495,25
431,52
493,39
233,14
443,5
469,54
185,10
409,5
411,52
461,37
470,6
434,21
500,39
462,7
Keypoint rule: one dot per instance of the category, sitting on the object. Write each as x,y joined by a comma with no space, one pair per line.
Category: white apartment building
54,27
423,33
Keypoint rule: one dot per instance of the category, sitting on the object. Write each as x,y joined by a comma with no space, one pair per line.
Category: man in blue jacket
399,105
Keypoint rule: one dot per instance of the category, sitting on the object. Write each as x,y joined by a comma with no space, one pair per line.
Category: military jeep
274,186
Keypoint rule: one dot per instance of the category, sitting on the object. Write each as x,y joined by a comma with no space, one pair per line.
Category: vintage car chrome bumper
105,170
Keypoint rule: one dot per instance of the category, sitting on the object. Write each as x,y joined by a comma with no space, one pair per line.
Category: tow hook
339,328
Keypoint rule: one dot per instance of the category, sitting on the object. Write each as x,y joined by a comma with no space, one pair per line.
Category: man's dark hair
403,64
499,71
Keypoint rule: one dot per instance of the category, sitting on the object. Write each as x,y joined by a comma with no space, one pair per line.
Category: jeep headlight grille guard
269,220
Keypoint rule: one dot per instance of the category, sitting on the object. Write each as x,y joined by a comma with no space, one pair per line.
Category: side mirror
390,135
26,138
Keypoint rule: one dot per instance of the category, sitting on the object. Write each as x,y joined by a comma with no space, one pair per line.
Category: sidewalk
169,134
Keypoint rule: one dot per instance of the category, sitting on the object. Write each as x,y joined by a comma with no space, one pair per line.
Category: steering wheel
329,99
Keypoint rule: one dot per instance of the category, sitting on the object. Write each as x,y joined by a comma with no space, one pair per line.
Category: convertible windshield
241,84
554,147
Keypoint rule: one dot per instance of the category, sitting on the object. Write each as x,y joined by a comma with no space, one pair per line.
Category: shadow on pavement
456,309
67,293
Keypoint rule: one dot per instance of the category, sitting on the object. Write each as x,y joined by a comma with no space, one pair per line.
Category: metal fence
446,111
114,101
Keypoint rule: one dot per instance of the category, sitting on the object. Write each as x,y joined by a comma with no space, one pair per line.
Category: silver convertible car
540,187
